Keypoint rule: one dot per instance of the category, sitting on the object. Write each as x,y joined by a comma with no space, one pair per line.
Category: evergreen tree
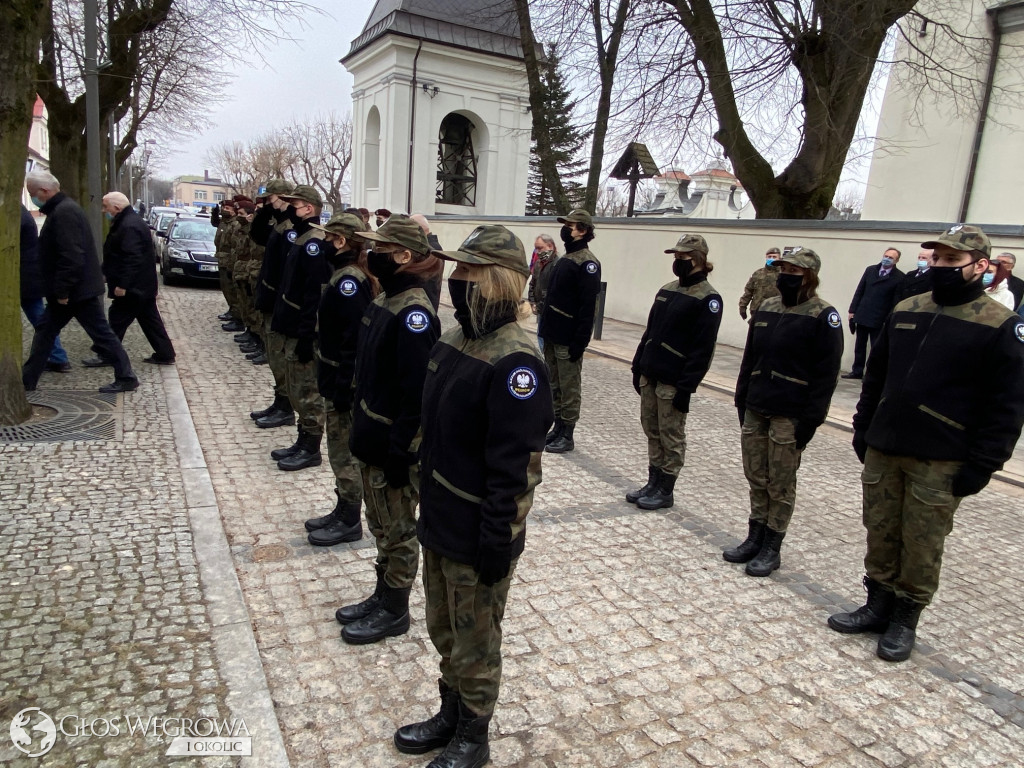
567,143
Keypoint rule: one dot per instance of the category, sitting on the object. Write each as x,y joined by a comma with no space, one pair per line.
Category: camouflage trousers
565,376
337,426
391,518
275,356
664,426
243,293
908,512
770,462
464,622
226,283
303,391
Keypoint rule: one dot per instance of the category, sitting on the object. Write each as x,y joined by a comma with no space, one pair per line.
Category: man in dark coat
872,302
128,259
1008,261
32,289
73,284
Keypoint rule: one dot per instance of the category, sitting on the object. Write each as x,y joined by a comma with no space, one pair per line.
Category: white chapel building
440,109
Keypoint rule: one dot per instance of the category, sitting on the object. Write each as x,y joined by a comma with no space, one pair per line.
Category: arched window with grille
456,162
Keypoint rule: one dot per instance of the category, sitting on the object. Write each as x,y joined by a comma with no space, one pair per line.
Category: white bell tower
440,109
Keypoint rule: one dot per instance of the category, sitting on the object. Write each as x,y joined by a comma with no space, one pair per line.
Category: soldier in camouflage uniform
240,275
486,408
940,410
672,359
259,220
398,331
761,284
222,244
789,371
345,298
566,323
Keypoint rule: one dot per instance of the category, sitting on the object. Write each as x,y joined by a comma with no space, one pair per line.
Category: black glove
803,432
636,381
343,401
743,312
853,327
969,480
304,350
215,216
576,352
741,410
681,402
492,563
396,471
860,445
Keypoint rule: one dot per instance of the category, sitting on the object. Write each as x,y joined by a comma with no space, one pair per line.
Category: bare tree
611,201
243,167
323,152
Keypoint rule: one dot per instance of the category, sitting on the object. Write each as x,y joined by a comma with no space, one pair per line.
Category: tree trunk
20,29
68,159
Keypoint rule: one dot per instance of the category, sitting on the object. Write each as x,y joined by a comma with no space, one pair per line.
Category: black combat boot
225,316
555,433
768,559
282,416
248,349
652,477
898,640
260,350
417,738
349,613
261,358
873,616
280,404
746,551
233,326
283,453
341,525
308,455
469,747
389,619
245,337
660,496
563,443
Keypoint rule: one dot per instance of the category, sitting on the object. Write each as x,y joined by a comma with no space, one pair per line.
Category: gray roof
483,25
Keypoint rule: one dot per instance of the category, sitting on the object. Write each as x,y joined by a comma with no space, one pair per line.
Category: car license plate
207,267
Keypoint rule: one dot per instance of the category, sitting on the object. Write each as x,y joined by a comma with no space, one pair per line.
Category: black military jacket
791,361
345,299
568,316
679,342
278,242
945,382
397,332
302,279
486,409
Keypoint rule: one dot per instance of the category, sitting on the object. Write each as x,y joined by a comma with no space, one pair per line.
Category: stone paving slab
628,641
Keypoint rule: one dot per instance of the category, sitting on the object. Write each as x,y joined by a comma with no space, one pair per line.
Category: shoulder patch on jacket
1019,332
591,267
348,287
715,306
292,234
417,321
313,248
522,383
834,320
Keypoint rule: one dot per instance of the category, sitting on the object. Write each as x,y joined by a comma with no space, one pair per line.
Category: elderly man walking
129,266
73,285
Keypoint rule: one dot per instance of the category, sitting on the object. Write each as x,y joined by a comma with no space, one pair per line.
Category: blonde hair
498,289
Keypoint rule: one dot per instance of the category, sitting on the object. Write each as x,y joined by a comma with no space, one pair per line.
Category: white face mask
922,264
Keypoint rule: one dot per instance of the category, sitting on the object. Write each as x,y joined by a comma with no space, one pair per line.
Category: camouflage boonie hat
578,216
344,224
490,244
800,257
963,237
305,193
689,244
278,187
399,230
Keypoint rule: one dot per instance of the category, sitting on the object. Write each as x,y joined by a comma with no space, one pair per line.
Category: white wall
634,264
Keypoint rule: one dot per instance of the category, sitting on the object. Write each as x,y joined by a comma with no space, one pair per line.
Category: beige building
953,153
201,191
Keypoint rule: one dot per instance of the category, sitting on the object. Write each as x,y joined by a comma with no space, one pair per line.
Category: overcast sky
301,78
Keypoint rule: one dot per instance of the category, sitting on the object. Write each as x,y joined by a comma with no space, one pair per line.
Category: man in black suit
1008,261
128,266
73,284
920,280
872,302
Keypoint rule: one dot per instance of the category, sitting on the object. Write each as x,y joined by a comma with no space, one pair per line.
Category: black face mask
382,265
681,267
949,286
460,291
789,288
566,234
293,215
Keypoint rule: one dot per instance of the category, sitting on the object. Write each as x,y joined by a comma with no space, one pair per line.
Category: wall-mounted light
431,90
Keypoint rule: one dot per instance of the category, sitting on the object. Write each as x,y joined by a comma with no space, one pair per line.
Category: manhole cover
79,416
270,553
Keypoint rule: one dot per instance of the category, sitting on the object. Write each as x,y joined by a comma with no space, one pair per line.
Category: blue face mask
987,279
768,260
110,216
37,202
922,264
887,262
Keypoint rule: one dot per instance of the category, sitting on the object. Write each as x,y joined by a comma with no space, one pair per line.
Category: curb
234,643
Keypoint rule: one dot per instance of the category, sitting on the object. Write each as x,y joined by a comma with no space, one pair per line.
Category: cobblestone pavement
628,641
101,610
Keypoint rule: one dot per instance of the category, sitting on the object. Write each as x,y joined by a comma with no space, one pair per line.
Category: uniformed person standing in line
240,275
789,371
261,220
399,329
940,410
234,244
302,279
760,285
345,299
276,235
486,408
567,322
672,359
222,243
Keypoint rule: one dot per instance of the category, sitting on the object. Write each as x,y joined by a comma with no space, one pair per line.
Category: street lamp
145,172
